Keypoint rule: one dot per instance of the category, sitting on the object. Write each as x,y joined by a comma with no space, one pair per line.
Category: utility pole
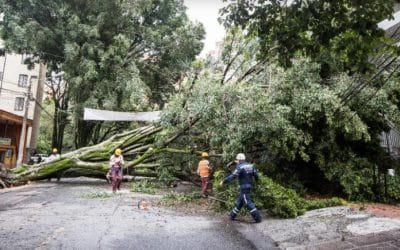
2,73
21,147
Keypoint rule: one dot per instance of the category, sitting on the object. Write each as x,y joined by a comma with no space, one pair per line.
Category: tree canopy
340,35
296,129
116,55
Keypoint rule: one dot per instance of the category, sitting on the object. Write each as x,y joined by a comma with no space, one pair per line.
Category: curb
253,235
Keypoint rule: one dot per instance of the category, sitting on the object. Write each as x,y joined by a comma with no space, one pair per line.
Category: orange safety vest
203,168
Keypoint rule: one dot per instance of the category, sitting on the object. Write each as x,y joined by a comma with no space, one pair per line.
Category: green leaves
243,116
116,55
295,127
332,33
277,200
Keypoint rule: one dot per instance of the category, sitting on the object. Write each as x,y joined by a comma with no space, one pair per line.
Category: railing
390,141
5,141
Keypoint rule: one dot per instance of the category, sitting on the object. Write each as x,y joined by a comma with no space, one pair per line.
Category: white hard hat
240,157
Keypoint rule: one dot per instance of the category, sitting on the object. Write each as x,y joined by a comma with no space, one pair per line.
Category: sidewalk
386,240
327,228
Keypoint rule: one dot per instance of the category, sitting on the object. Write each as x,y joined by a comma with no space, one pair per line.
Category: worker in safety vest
204,170
246,173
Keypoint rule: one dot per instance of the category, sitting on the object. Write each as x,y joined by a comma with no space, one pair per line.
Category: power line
13,91
12,101
43,109
23,93
31,99
16,83
7,98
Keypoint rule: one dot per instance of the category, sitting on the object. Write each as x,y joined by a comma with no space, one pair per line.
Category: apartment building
15,81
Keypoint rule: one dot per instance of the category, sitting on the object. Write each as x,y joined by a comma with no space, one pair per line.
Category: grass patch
97,195
322,203
174,198
145,186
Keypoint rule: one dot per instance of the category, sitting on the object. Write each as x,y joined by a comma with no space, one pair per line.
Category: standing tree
60,99
115,54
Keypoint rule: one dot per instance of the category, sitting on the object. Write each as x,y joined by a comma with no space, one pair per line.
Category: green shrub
268,195
393,190
279,201
321,203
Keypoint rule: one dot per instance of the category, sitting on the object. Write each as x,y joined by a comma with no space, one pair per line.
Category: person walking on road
246,173
116,165
204,171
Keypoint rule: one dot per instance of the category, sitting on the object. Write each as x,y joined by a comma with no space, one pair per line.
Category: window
9,153
33,80
25,57
19,103
22,81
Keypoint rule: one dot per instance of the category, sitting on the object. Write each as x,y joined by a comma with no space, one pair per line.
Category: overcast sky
206,12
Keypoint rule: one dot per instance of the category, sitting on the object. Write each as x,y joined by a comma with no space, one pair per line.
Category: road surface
49,215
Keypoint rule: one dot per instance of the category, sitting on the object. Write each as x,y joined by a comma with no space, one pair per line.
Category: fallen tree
137,145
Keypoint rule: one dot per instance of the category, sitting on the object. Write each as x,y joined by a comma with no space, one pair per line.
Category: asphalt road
62,216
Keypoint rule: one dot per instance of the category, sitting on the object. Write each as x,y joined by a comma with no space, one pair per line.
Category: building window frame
24,57
19,103
22,80
33,80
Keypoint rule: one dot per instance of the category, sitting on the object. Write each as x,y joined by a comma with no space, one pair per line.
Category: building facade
15,81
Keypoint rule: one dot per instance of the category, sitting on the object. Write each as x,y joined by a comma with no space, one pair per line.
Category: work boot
256,215
233,214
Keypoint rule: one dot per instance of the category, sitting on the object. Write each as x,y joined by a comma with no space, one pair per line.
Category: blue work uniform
246,173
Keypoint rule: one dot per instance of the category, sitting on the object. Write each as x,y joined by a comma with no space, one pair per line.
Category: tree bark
140,149
93,161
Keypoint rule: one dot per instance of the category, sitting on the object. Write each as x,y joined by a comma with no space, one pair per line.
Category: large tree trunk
137,145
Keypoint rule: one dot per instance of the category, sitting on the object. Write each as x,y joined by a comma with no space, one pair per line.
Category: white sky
386,24
206,12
